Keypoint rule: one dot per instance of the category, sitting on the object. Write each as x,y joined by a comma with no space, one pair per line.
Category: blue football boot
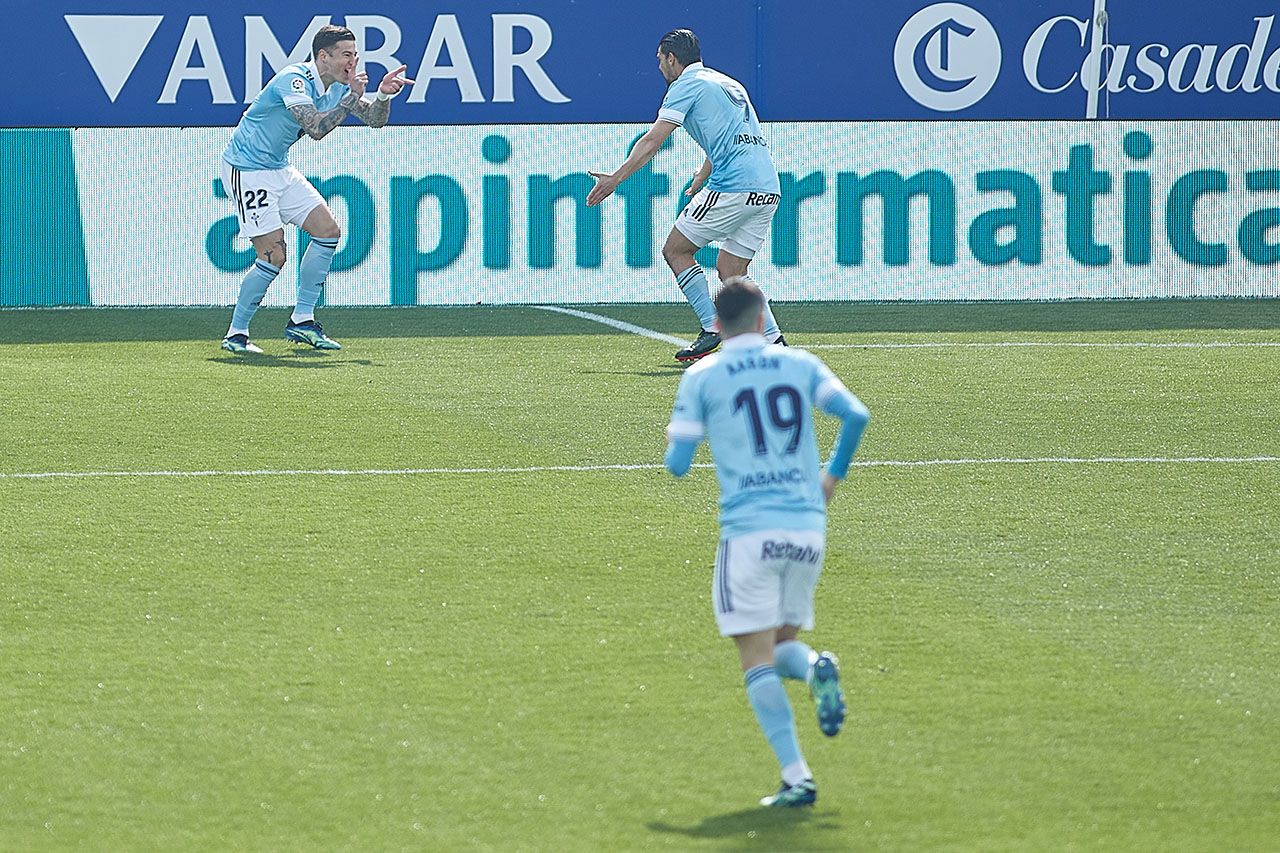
824,685
239,343
310,332
793,796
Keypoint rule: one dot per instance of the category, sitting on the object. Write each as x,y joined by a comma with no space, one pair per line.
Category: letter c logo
947,57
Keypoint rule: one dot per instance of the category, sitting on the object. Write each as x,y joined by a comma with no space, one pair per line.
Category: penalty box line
632,328
538,469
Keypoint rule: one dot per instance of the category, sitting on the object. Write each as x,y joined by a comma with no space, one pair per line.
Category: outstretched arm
376,112
642,152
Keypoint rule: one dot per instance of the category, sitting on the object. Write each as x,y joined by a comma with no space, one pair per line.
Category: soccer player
311,99
735,192
754,403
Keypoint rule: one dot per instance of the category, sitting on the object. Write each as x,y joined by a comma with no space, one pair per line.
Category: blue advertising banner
120,63
173,63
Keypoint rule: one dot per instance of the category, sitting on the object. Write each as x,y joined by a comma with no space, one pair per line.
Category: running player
754,403
735,192
305,99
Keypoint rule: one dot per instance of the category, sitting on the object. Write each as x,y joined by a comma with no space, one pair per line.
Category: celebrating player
308,98
754,403
735,206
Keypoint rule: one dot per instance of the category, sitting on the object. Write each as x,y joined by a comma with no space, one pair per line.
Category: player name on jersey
753,362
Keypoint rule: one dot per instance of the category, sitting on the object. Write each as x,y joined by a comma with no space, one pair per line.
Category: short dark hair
328,36
682,44
738,304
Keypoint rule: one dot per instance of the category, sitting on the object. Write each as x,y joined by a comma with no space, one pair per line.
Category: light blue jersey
754,403
267,128
716,111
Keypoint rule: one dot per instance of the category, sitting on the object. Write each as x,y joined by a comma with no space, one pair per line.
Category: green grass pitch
1039,655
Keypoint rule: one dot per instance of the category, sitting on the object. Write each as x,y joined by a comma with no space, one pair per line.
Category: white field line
1066,344
535,469
616,324
660,336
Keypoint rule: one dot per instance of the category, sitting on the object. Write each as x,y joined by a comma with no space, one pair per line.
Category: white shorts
766,580
266,199
739,222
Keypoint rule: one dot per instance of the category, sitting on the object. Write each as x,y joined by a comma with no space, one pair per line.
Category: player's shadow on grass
776,828
305,359
666,371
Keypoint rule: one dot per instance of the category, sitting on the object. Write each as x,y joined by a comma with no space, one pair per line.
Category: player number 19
788,421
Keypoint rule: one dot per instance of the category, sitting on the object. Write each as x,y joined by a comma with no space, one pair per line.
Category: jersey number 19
788,421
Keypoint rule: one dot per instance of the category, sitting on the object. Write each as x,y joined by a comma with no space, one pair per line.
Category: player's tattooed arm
317,124
373,113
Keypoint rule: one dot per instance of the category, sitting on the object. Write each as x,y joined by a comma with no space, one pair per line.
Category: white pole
1096,43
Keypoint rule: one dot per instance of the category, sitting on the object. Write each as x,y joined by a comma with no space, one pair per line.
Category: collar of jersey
743,341
692,66
315,75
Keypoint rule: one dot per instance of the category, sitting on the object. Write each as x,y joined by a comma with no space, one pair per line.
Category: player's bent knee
730,269
276,256
677,259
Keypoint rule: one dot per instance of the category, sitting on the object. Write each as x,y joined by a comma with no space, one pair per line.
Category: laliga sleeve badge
298,86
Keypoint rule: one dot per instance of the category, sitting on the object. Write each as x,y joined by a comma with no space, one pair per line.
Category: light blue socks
252,289
311,275
772,331
773,712
693,284
794,659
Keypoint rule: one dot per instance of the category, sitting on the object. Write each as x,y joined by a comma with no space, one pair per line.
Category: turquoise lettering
1137,202
1025,218
496,204
407,260
1253,229
786,222
638,191
543,195
895,194
1180,217
1081,183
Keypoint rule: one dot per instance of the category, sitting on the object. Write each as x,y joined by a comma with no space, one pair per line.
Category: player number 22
254,199
788,421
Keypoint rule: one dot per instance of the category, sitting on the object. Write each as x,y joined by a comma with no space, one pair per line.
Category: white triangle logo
113,44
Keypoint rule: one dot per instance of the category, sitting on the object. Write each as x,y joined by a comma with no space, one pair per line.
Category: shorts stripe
696,213
702,212
715,579
235,191
722,577
702,209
